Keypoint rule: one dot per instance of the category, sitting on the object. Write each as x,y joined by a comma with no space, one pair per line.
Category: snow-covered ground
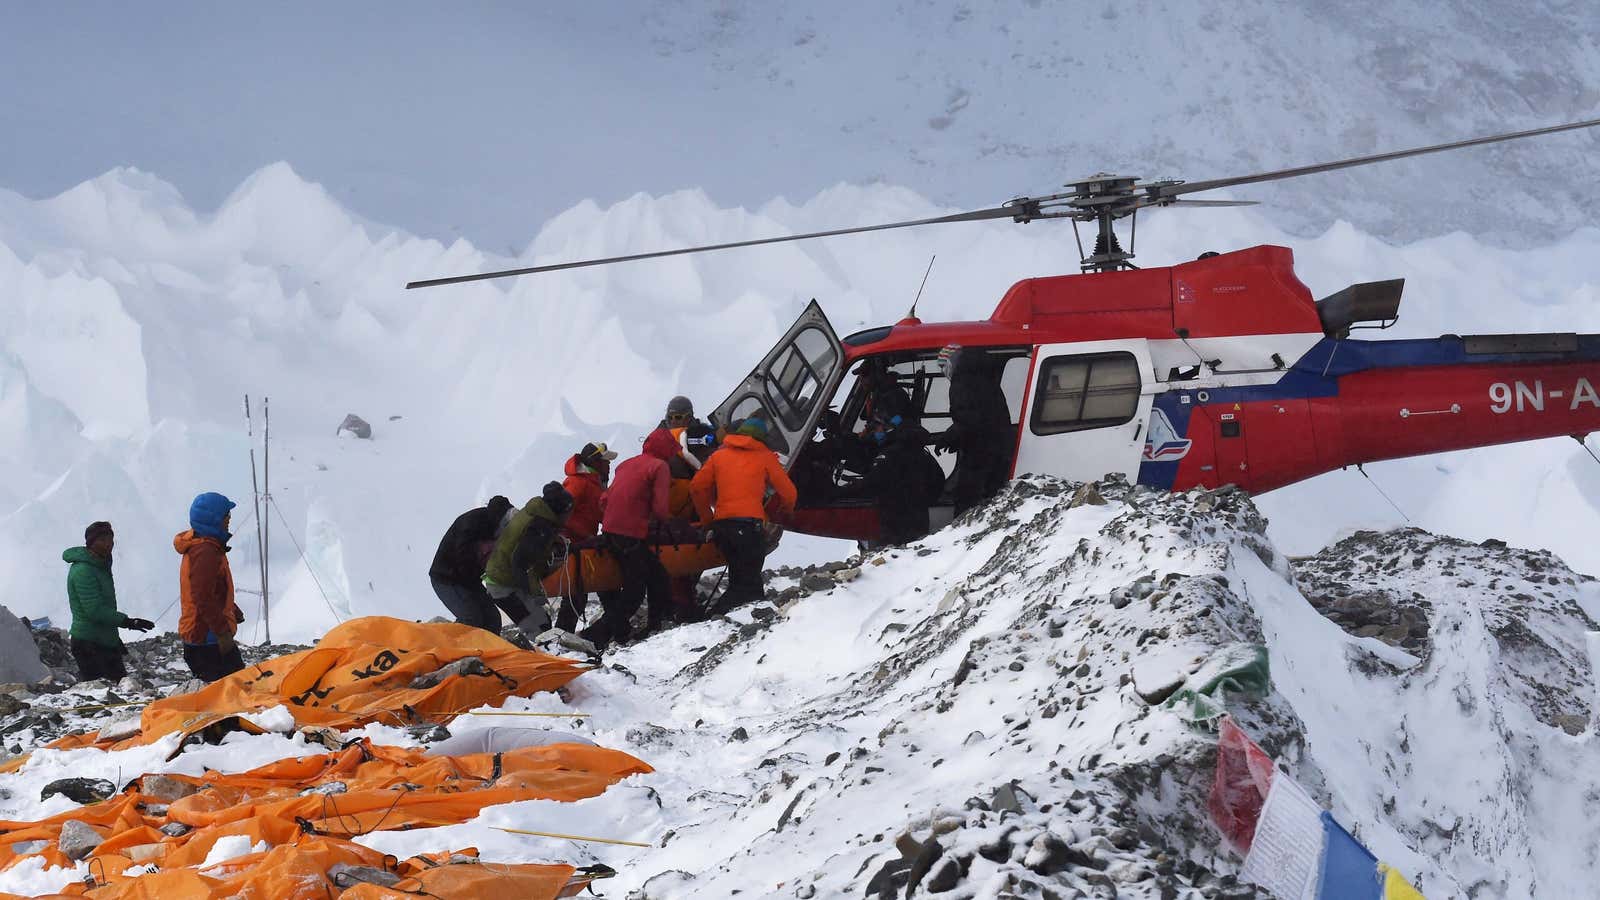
982,712
136,324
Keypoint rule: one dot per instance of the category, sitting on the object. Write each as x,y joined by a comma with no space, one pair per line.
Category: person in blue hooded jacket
210,618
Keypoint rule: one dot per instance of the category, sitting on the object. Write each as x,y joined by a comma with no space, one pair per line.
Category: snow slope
981,712
135,325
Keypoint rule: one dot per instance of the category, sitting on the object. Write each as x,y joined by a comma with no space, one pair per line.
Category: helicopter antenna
1101,198
913,313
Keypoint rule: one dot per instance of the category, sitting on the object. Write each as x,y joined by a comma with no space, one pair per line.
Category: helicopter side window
751,405
794,379
1077,393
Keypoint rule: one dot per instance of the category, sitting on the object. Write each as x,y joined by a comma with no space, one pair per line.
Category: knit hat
557,498
95,531
753,427
680,405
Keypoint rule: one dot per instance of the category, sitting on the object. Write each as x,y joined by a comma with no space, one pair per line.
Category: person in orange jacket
588,474
730,494
209,618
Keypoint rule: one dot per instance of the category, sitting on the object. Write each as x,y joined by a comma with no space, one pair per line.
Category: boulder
355,426
78,840
19,655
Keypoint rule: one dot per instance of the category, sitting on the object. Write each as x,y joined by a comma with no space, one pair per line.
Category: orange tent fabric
365,670
301,871
354,791
592,569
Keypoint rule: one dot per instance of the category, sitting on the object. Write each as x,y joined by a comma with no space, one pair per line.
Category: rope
1582,443
313,572
1382,494
571,837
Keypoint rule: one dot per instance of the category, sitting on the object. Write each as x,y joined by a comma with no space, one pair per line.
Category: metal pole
266,528
255,491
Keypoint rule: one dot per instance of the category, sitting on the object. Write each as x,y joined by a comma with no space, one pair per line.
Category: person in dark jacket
91,593
458,564
905,480
524,555
636,502
209,617
980,432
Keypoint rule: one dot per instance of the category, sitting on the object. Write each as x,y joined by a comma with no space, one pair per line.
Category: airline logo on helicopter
1162,444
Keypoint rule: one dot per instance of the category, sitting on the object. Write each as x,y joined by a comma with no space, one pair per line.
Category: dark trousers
209,663
743,543
571,609
642,576
901,524
97,661
470,605
982,467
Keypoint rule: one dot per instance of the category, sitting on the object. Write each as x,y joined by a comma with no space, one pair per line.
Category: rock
945,875
845,576
805,891
160,787
345,875
78,840
175,829
739,734
355,426
1573,725
10,706
467,665
79,790
132,685
886,882
1086,495
762,613
813,581
928,853
19,653
1008,798
1048,854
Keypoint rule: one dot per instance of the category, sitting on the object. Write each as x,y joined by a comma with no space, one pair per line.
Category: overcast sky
485,119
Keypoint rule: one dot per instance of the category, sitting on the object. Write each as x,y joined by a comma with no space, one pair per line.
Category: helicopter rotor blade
1209,203
1191,187
1022,209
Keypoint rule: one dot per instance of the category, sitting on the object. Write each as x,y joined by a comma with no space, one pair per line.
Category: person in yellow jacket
730,495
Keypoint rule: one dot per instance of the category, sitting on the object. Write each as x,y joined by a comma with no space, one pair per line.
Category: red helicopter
1223,370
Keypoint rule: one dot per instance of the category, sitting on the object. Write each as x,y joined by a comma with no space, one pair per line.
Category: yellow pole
571,837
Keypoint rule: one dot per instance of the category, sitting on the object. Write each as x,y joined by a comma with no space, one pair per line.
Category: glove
238,615
137,624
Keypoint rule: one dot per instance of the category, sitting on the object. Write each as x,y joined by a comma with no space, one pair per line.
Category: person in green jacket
93,597
523,556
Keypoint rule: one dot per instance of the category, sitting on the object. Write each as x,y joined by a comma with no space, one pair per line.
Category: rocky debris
467,665
164,789
19,655
354,426
79,790
78,840
1397,586
58,704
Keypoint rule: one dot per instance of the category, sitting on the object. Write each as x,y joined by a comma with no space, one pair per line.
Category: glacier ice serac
135,324
989,700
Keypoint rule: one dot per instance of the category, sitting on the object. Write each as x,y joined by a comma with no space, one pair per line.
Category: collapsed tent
590,568
316,868
310,803
373,669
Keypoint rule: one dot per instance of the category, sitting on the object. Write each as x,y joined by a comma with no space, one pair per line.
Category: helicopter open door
790,385
1088,410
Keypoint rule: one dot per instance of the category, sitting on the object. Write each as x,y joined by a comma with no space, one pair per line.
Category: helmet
680,406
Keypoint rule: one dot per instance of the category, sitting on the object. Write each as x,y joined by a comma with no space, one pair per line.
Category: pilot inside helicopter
970,394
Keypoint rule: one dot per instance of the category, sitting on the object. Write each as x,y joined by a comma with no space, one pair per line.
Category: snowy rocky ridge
982,714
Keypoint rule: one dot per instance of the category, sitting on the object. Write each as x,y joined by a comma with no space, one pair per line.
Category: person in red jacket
636,501
730,493
588,472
